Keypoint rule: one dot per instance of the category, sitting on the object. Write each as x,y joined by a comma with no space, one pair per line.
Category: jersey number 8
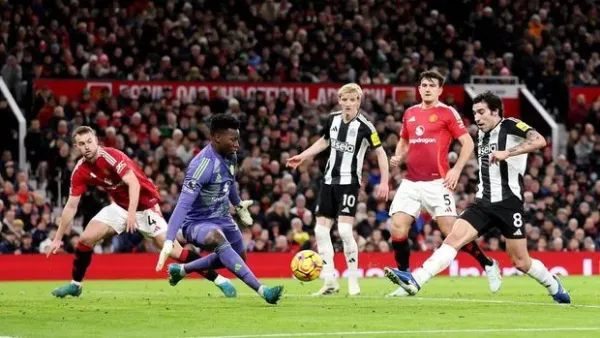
517,220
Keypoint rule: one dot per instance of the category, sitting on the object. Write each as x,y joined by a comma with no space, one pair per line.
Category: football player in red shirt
135,206
428,129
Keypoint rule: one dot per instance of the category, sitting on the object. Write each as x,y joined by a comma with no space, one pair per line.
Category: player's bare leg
93,233
517,250
400,228
490,266
325,247
184,255
462,233
345,225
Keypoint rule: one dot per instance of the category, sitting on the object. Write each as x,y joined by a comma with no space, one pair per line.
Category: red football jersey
429,133
107,173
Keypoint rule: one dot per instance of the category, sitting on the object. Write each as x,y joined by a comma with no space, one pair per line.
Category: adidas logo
449,209
334,128
518,232
346,209
352,260
412,119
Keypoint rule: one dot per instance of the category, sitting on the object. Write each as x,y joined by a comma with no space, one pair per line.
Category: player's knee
214,239
321,231
461,234
399,227
521,262
346,233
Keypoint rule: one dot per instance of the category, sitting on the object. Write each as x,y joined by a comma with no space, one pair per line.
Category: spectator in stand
549,48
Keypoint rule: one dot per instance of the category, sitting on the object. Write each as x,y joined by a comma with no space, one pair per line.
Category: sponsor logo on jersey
487,150
342,146
422,140
420,130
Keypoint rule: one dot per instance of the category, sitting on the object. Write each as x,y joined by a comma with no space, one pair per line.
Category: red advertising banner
275,265
189,91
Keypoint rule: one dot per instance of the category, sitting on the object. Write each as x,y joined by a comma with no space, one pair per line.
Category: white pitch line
434,299
421,332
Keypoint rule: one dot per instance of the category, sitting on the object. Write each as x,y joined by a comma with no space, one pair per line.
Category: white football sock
540,273
261,291
326,251
436,263
350,248
220,280
76,283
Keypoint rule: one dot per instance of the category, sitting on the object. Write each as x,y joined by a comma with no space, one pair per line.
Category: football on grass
307,265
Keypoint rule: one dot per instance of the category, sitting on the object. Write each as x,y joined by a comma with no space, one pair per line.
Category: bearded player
427,132
135,206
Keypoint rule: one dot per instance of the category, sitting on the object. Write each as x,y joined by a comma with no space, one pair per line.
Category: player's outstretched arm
295,161
533,142
384,168
65,219
134,196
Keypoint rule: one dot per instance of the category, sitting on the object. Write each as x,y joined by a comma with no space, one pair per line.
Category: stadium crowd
550,47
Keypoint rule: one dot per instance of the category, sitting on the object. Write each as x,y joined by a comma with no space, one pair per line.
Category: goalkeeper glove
243,213
164,254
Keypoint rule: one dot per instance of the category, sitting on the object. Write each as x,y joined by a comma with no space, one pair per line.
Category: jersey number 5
447,199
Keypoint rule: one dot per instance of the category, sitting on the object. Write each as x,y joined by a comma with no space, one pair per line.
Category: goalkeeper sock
401,252
540,273
474,250
83,258
325,248
188,255
440,260
234,263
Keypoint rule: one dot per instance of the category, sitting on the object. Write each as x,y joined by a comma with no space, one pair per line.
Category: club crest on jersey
420,130
433,118
487,149
342,146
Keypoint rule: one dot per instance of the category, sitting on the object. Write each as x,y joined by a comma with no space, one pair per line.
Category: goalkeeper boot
176,273
70,289
404,279
227,288
561,296
272,294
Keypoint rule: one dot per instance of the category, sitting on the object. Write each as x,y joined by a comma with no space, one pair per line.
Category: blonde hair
350,88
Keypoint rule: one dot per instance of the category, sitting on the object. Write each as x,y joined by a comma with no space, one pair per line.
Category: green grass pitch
447,307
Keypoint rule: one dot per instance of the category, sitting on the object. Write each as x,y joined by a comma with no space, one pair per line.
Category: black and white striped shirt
505,180
349,143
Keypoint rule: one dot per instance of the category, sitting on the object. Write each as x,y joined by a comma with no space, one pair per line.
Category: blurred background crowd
549,46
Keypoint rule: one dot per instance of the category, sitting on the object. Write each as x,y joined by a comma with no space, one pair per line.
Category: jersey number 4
151,221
